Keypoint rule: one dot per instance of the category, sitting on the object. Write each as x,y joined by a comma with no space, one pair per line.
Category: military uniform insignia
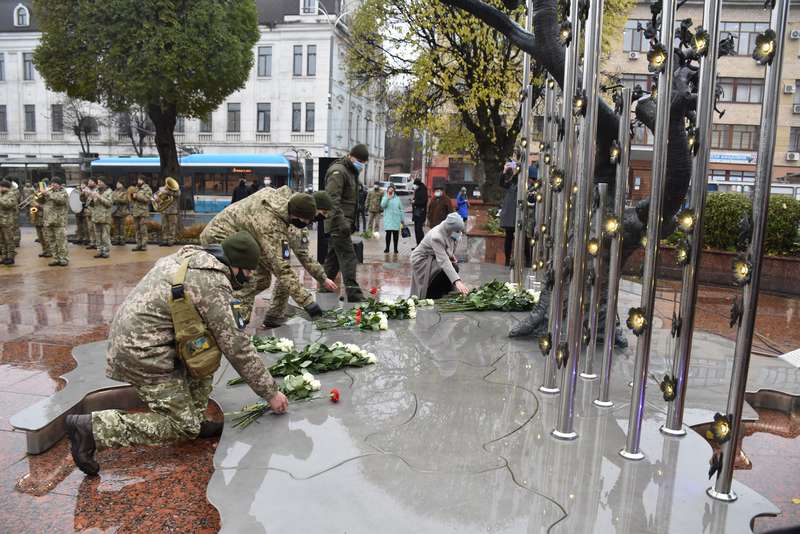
236,308
304,238
285,246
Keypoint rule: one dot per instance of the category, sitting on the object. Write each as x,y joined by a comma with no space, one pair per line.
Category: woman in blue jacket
392,217
462,204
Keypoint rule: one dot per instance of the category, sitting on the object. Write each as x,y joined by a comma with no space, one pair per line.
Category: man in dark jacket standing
419,209
440,207
241,191
341,183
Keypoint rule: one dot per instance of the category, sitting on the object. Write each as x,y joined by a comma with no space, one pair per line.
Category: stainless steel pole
706,93
566,162
599,276
615,254
631,450
744,337
544,174
584,179
520,239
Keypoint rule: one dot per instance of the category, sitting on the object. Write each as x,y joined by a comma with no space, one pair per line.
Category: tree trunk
164,117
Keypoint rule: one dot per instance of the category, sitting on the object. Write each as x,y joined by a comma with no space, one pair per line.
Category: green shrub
782,223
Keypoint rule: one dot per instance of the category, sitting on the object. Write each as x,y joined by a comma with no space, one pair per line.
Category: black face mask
297,223
319,218
239,279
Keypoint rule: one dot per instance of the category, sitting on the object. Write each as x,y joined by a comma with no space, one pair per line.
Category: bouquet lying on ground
298,387
272,344
492,296
318,358
372,314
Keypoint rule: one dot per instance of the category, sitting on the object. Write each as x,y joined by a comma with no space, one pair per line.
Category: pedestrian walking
392,217
419,209
462,204
374,204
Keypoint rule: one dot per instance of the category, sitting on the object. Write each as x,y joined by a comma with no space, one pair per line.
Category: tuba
162,199
132,190
38,197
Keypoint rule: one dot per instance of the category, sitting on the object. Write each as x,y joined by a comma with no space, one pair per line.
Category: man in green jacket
102,203
374,206
56,208
341,183
140,209
9,212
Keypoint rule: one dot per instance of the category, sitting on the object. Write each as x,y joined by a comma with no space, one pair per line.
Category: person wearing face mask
275,315
140,210
341,183
434,268
374,205
439,208
419,209
462,204
166,340
102,202
392,217
269,216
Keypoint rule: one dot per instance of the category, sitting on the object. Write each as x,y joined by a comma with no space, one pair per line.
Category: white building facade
297,101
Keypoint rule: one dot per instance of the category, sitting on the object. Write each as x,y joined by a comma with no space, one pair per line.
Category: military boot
271,322
82,445
210,429
54,263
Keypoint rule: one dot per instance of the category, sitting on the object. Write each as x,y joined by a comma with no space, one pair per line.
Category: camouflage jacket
56,208
374,201
298,242
141,347
121,203
341,183
9,210
141,201
86,200
101,207
265,216
172,209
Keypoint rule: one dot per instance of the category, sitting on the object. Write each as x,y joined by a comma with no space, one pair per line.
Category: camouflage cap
323,200
242,250
302,205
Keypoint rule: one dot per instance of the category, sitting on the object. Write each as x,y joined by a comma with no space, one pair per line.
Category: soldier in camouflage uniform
341,183
298,243
56,208
141,211
142,351
374,206
101,216
267,216
17,231
9,212
119,213
88,209
169,217
41,232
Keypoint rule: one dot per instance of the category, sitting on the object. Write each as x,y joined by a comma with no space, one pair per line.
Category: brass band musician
166,202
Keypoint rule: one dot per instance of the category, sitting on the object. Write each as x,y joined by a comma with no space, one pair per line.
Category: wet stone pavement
456,372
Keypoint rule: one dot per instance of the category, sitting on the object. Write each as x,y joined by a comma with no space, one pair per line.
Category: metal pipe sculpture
546,150
561,186
520,241
596,278
585,103
640,320
690,221
727,429
613,229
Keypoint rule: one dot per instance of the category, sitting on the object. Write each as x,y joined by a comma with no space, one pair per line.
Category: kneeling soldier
167,340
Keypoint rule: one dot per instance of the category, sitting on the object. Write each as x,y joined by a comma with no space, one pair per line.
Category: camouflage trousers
374,221
92,231
276,310
56,238
102,233
7,243
169,228
259,281
140,228
177,410
17,233
118,231
82,230
41,235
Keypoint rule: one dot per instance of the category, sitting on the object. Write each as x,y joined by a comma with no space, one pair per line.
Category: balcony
57,136
29,136
302,137
263,138
233,137
205,137
3,136
179,137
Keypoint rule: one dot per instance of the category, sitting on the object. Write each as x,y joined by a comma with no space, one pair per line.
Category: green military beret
302,205
360,152
5,183
323,200
242,250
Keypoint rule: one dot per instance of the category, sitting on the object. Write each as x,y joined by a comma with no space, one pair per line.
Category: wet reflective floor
44,312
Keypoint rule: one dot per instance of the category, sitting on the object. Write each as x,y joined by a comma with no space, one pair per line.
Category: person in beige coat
434,269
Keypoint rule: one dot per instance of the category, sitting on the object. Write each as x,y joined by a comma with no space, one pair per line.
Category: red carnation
358,316
334,395
374,291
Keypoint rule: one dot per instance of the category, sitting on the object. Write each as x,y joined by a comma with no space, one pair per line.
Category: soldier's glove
313,310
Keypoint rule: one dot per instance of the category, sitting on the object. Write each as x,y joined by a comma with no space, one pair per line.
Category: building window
309,7
2,67
264,118
206,124
633,40
630,81
30,118
742,90
22,17
57,118
27,66
366,130
309,116
744,34
297,68
296,112
180,125
234,117
264,61
794,137
722,175
311,60
3,119
735,137
796,92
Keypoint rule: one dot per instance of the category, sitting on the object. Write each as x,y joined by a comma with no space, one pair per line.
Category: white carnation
384,324
412,313
337,345
315,385
352,348
308,377
371,358
428,302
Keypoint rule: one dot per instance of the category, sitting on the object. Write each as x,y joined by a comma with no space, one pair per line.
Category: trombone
36,195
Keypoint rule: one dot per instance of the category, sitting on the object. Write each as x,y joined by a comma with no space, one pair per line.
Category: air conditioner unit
796,108
633,55
793,156
788,88
794,34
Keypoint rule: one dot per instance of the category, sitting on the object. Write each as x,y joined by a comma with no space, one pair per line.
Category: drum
74,196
